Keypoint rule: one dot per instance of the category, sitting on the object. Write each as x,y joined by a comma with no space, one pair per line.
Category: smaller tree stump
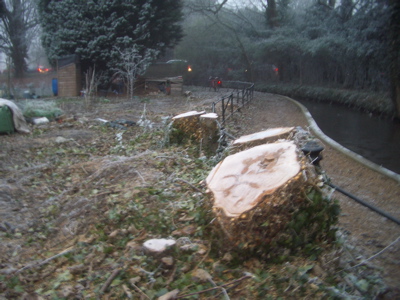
262,137
198,127
185,127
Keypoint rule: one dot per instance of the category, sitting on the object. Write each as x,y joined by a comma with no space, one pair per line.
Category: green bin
6,120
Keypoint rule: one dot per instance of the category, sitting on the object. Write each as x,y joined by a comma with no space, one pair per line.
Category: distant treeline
342,44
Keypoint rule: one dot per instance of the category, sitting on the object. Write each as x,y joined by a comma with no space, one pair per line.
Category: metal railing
241,95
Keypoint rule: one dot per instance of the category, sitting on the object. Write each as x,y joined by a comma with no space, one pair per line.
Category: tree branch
109,280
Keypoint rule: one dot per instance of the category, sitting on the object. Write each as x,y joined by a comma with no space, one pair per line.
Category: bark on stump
198,127
258,195
209,132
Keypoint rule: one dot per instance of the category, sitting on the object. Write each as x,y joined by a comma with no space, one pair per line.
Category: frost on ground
78,200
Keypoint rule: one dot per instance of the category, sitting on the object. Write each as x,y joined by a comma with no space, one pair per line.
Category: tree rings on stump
256,193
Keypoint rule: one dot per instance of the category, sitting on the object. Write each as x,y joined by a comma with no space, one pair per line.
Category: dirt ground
375,237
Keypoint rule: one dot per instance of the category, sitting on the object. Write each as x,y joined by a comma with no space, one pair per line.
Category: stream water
374,138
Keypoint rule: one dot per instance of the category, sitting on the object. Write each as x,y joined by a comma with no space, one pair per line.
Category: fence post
231,102
243,95
223,110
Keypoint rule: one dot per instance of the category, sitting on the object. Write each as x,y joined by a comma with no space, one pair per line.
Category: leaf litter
75,215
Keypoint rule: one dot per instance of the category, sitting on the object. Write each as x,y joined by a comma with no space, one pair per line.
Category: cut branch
109,280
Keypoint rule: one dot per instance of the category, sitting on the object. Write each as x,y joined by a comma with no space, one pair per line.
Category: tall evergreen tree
94,29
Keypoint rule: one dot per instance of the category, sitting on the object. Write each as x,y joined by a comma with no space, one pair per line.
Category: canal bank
371,142
368,231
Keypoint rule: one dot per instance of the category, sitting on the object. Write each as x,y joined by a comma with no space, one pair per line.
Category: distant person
162,87
213,83
168,87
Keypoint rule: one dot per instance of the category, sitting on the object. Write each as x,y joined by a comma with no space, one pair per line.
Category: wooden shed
69,76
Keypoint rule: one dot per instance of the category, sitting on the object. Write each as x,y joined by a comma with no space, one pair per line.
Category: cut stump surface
262,137
265,199
241,181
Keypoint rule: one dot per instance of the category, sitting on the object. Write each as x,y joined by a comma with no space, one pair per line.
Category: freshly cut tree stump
242,180
209,132
258,194
189,114
194,126
262,137
209,116
185,127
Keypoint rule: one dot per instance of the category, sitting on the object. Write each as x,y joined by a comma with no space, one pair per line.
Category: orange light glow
43,70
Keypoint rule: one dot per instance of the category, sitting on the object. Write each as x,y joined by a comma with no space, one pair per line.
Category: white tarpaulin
20,124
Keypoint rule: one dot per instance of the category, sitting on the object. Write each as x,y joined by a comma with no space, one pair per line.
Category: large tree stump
259,198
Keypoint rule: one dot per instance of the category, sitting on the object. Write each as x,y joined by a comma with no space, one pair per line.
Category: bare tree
133,64
272,15
205,6
219,15
17,18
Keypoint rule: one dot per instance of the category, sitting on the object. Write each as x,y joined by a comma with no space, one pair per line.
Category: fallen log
261,200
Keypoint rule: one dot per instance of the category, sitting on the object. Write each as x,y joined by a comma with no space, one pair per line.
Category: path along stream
376,139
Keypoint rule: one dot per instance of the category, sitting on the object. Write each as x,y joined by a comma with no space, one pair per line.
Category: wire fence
241,95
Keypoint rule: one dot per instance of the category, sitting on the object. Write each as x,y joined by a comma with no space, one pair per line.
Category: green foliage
368,101
314,44
38,108
94,29
314,222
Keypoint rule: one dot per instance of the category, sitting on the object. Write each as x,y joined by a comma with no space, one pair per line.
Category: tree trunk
261,200
17,35
272,16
